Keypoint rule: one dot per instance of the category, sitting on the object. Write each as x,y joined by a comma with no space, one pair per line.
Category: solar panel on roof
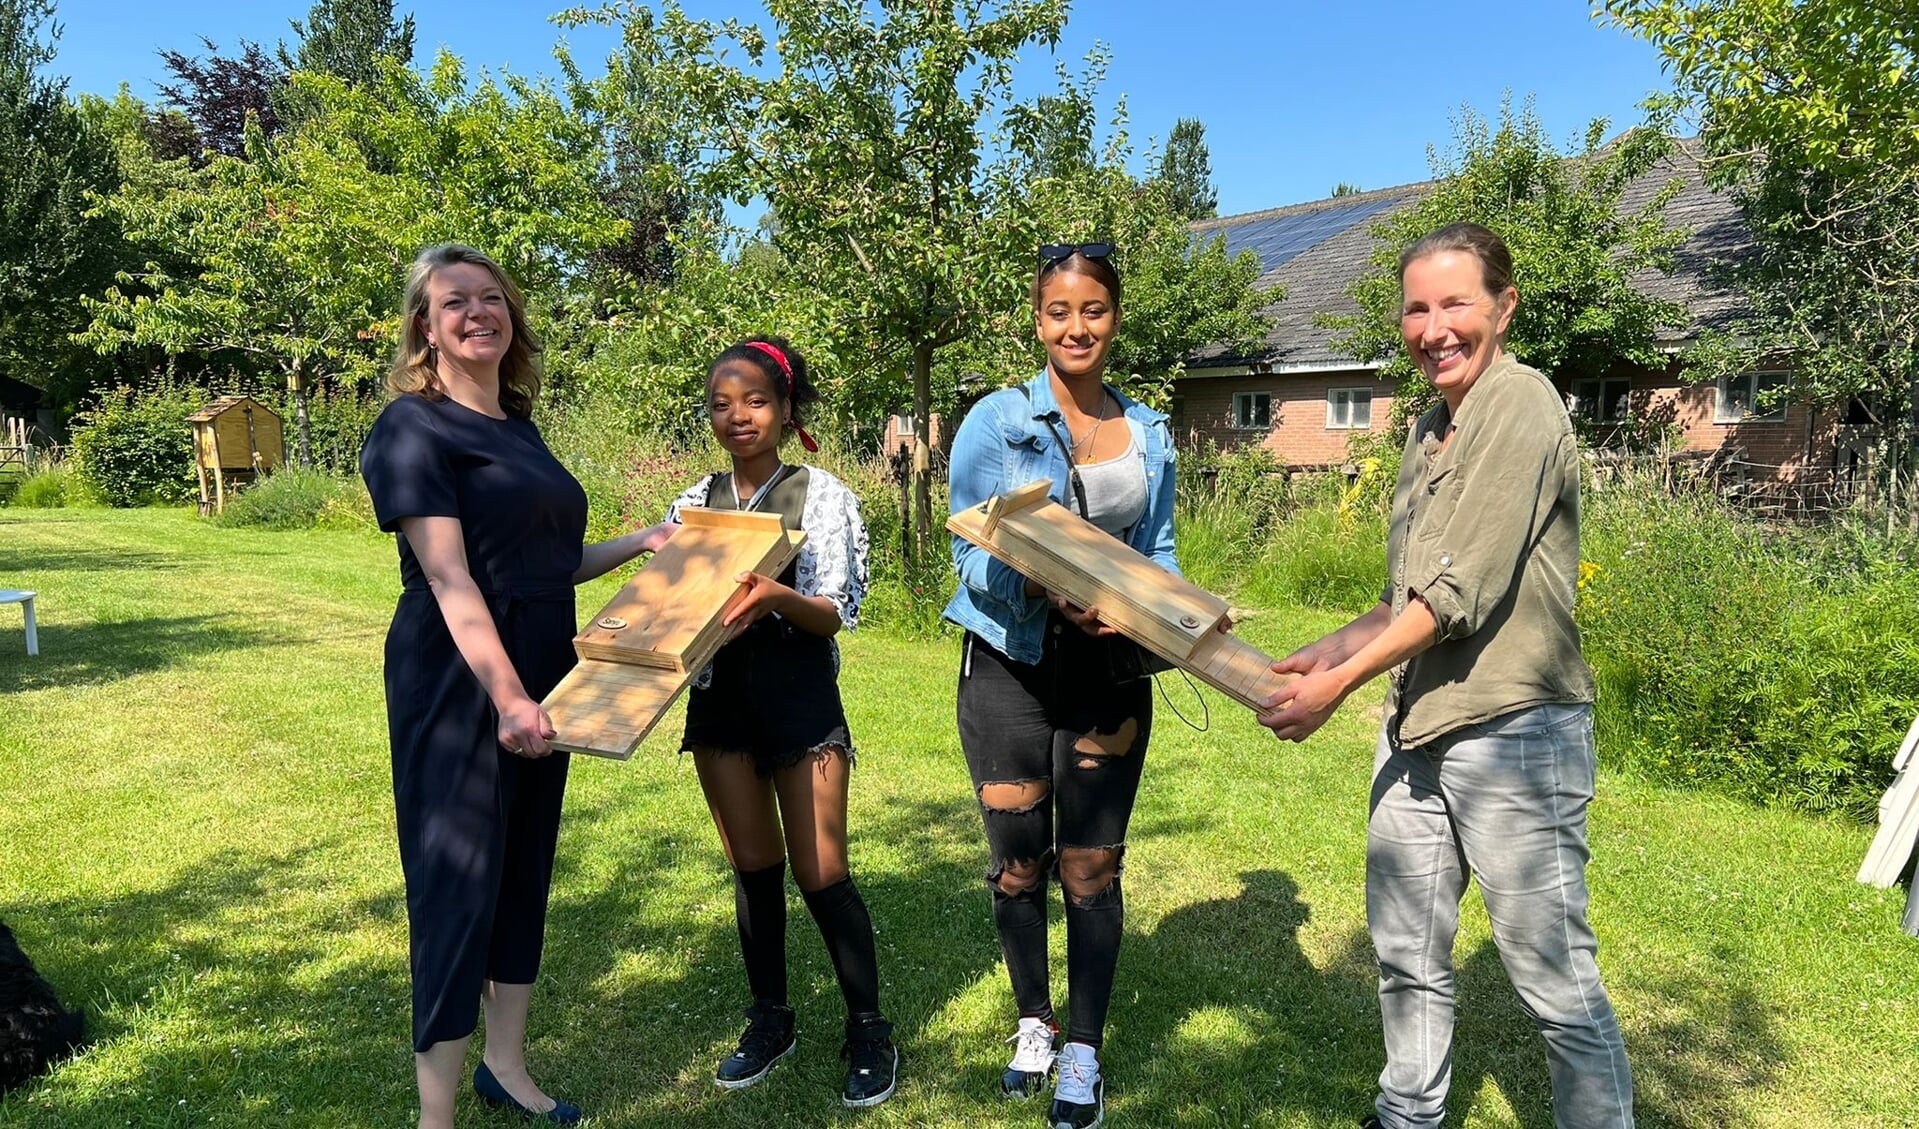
1277,239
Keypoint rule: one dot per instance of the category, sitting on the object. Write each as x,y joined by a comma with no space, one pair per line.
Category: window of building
1253,410
1349,408
903,426
1746,398
1602,400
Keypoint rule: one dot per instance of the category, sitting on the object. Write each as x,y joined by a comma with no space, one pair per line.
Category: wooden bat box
639,652
1169,615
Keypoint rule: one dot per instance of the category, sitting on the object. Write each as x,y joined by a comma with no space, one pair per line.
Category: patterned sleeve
832,562
695,495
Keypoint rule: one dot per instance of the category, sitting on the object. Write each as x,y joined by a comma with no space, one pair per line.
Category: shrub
288,498
136,448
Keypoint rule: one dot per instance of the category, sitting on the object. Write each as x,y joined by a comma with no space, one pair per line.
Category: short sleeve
406,466
833,561
694,495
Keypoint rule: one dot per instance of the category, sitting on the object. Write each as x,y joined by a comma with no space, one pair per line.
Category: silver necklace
1094,430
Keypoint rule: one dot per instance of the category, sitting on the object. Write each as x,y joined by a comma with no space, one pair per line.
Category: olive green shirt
1486,532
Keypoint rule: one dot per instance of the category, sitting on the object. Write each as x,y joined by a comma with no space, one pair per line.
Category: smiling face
746,415
1453,328
1077,320
467,318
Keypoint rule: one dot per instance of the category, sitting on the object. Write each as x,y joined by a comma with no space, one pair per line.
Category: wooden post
219,472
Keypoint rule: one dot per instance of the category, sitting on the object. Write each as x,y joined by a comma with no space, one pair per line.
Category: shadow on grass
85,654
227,996
205,1006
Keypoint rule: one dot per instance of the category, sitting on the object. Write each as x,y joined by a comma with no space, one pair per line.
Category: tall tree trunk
922,453
302,429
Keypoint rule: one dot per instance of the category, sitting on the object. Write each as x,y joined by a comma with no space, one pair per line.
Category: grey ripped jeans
1504,800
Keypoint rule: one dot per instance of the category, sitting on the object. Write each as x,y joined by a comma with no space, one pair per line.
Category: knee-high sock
846,927
759,902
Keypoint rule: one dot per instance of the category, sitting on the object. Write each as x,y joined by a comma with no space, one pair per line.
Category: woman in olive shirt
1485,759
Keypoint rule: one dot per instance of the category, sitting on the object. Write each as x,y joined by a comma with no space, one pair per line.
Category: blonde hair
415,370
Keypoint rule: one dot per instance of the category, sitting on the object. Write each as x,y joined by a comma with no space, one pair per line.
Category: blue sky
1296,97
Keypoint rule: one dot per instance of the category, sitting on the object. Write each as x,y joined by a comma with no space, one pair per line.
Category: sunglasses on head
1052,254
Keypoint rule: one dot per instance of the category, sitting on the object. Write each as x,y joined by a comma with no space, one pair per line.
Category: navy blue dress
477,824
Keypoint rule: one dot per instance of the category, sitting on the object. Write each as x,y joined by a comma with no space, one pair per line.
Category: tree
1574,251
1187,170
906,226
296,254
865,130
1346,188
351,40
1809,115
53,248
220,93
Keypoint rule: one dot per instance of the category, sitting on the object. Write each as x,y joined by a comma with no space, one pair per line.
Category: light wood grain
638,653
1164,612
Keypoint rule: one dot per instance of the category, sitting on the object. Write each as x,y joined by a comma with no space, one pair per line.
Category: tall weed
1775,665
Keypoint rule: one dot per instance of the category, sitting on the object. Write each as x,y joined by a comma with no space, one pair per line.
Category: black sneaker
768,1038
1079,1100
1371,1121
872,1063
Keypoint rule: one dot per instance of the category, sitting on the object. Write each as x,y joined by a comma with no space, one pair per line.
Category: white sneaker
1079,1101
1032,1059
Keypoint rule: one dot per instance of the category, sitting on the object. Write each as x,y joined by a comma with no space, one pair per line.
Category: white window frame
1245,412
1594,407
903,425
1337,398
1757,382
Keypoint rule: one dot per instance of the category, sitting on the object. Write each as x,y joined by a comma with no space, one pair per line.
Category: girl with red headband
765,725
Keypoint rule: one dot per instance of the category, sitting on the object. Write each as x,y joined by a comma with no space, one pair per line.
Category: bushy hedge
135,448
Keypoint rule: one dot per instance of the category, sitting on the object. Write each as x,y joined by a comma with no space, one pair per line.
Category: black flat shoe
494,1094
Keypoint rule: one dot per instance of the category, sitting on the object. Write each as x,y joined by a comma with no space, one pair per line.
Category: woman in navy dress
491,544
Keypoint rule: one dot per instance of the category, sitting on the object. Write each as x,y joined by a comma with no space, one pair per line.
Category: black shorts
775,696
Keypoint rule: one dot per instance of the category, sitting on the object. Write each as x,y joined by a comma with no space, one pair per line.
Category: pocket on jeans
1532,720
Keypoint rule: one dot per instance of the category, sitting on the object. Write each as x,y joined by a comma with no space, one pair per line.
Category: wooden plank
1018,498
1898,833
607,709
1163,612
1079,561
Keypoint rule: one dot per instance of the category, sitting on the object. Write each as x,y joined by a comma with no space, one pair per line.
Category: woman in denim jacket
1054,707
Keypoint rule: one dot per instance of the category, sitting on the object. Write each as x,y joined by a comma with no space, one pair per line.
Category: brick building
1302,398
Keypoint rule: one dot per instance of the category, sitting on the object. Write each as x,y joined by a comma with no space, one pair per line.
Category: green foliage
1574,252
51,486
289,498
296,255
1774,665
136,448
53,248
1186,168
1810,116
352,40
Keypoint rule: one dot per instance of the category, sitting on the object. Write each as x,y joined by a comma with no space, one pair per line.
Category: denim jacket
1005,442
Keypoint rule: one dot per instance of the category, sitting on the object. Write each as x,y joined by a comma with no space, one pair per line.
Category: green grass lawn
196,845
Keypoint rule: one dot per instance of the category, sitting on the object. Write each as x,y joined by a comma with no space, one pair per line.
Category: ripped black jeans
1055,750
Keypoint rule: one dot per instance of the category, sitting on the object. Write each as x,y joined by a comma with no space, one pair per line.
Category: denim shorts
774,696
